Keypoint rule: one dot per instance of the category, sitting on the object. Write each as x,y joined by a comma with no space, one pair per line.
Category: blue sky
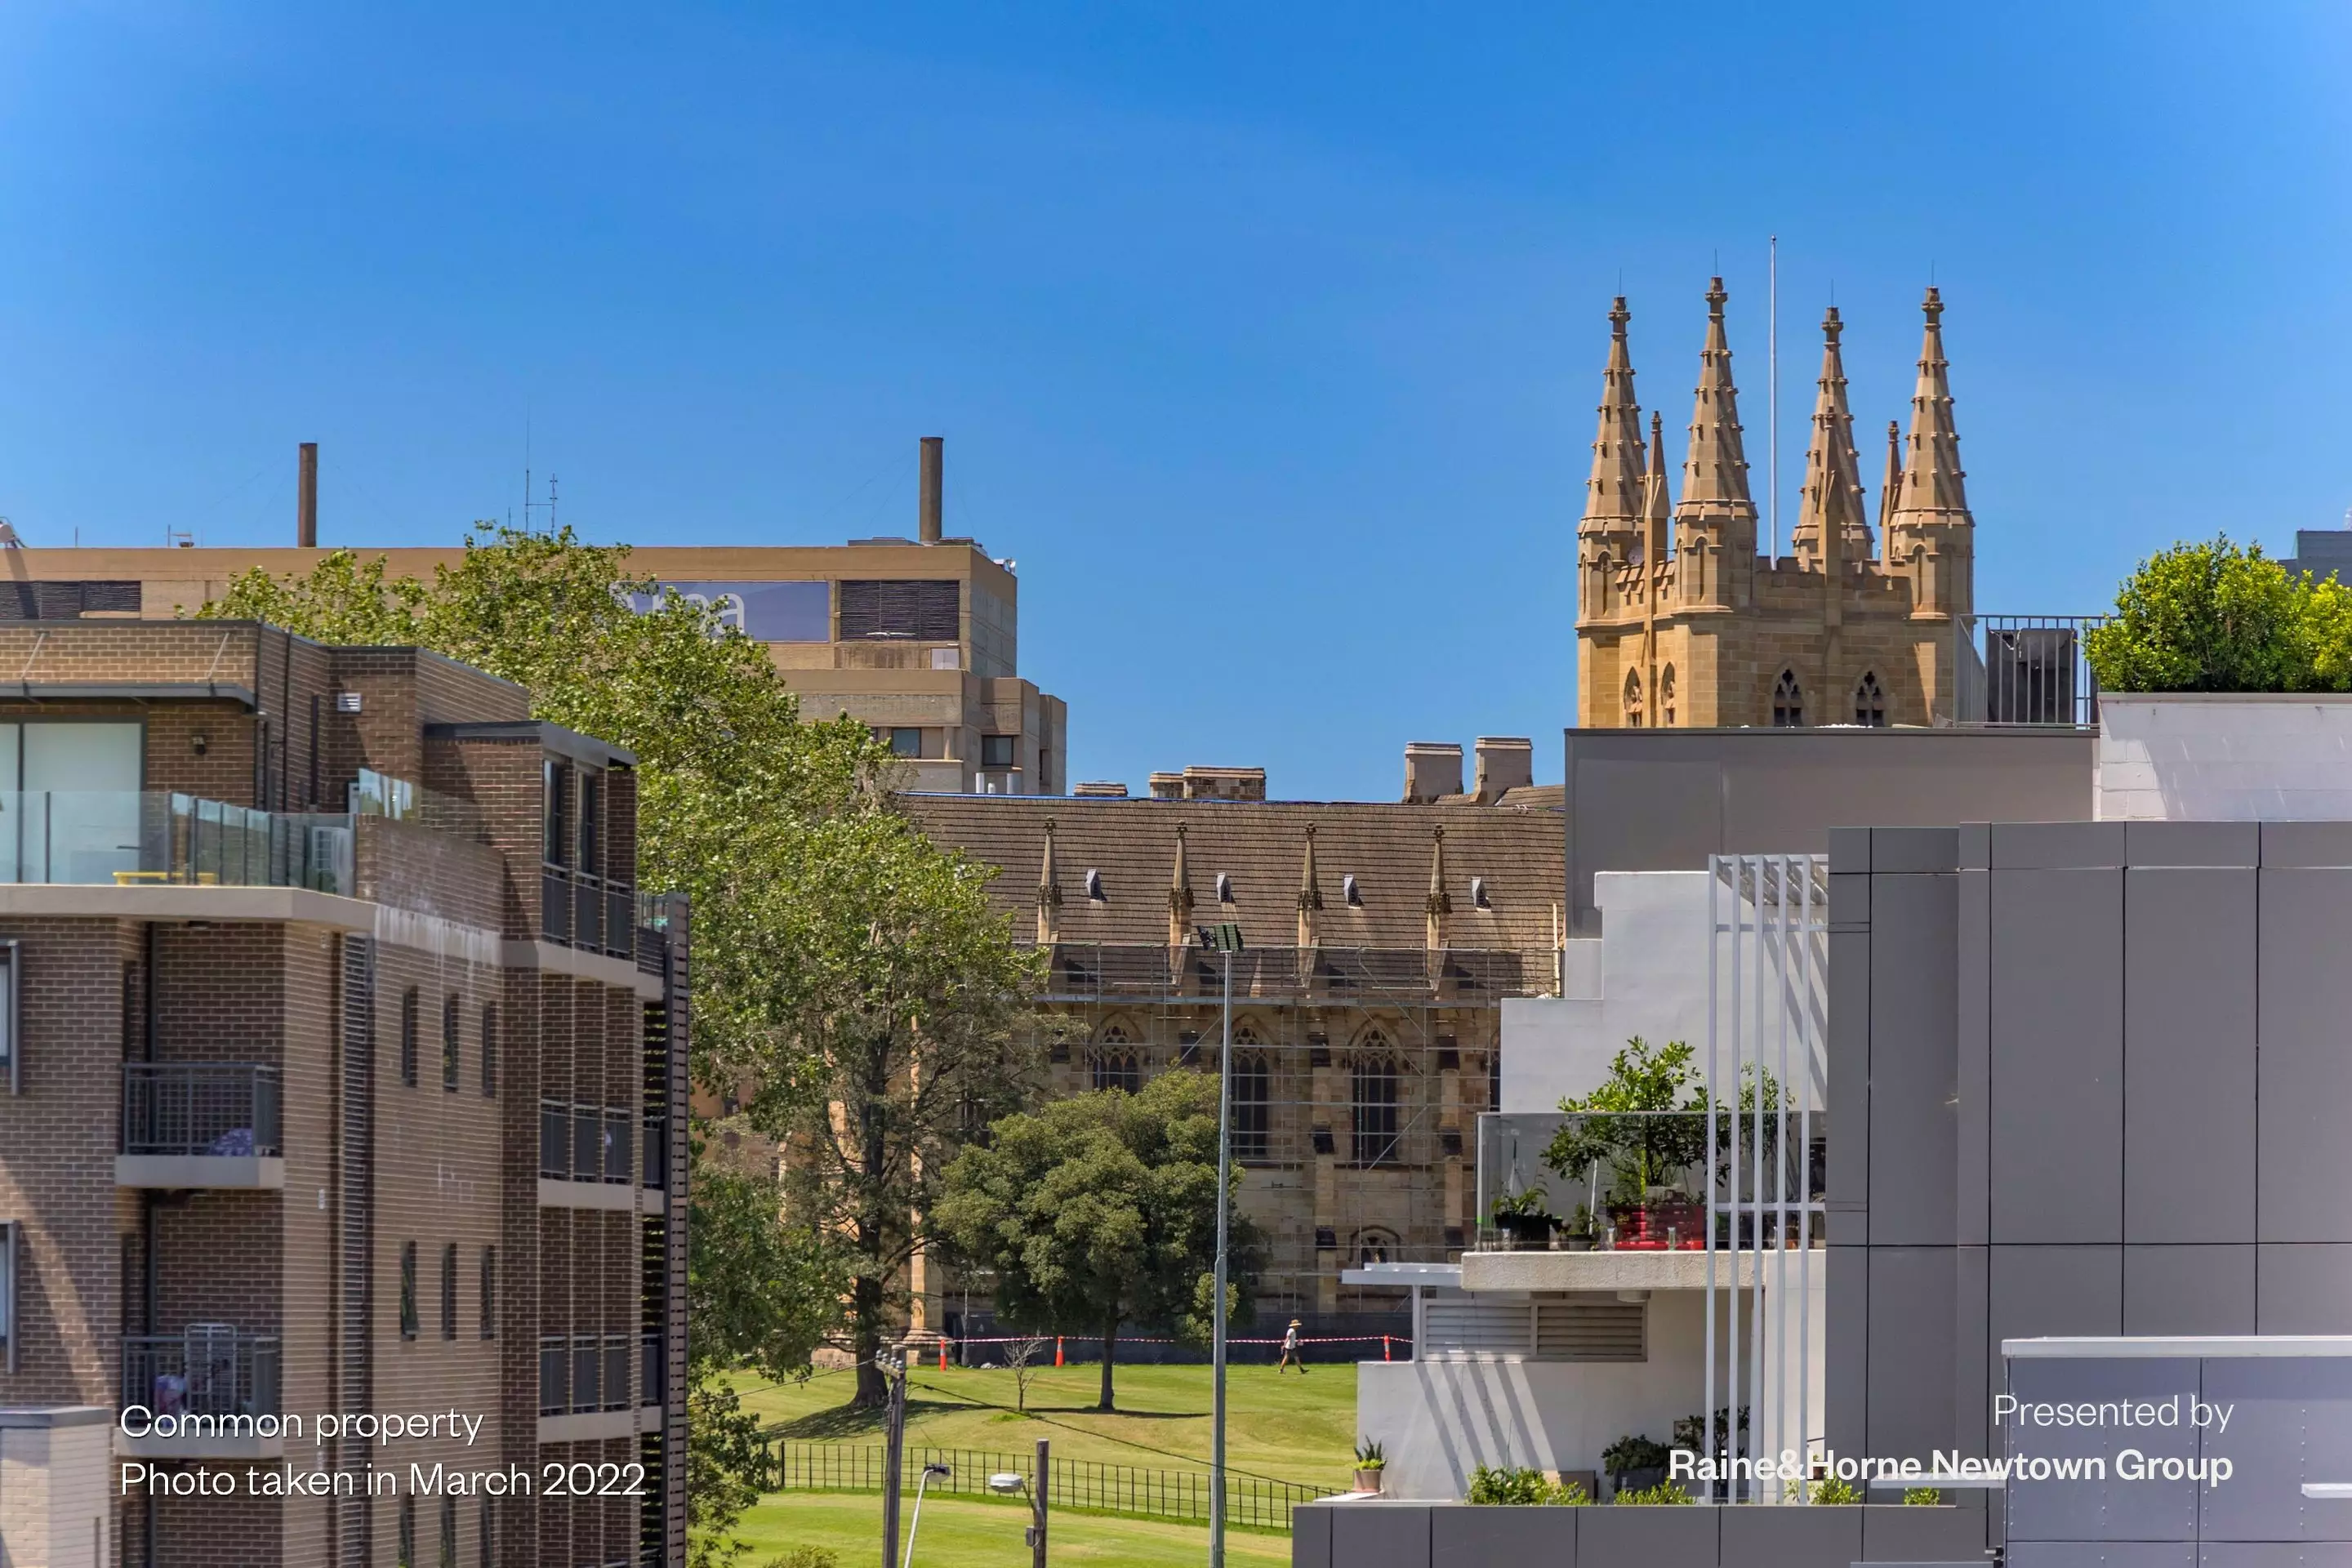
1265,338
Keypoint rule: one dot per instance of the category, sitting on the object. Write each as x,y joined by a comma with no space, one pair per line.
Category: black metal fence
1252,1503
199,1108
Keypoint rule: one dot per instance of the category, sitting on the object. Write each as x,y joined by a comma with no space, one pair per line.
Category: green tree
2218,617
1619,1123
1100,1211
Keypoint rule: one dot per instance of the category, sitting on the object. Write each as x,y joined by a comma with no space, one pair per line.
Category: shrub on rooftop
2216,616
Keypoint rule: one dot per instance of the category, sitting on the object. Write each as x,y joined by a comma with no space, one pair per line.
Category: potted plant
1577,1235
1635,1463
1371,1460
1525,1219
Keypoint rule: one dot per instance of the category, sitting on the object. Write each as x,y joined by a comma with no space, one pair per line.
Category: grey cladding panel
2305,1170
2303,1290
2189,1289
1848,1082
2290,1421
2043,1291
1923,849
1639,816
1380,1535
2056,1055
1791,1537
1914,1127
1310,1537
1954,1534
2288,845
1502,1537
2114,1508
2056,846
1911,1328
2189,1055
1845,1341
1649,1537
1849,850
2193,843
1972,1051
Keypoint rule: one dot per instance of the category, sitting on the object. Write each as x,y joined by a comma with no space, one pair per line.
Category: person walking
1290,1352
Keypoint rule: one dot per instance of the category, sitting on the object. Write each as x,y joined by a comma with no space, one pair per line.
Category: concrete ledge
176,902
652,1202
1612,1271
252,1172
58,1416
616,1195
216,1448
556,959
598,1425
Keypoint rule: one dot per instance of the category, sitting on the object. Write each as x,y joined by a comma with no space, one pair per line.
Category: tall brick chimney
306,496
934,478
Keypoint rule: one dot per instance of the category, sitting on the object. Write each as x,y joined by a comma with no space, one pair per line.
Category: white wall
1439,1420
2214,757
53,1489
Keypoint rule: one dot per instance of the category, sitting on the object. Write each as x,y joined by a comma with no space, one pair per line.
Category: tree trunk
865,1342
1110,1354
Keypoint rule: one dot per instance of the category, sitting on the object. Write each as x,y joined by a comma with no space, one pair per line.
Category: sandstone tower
1681,623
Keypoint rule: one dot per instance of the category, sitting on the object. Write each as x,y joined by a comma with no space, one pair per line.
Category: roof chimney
1431,768
306,496
1504,762
934,470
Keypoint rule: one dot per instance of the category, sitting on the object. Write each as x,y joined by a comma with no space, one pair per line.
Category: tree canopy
1099,1211
2220,617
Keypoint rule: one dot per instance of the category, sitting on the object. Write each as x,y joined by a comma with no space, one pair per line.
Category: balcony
586,1157
134,839
210,1392
587,912
583,1387
200,1124
2023,669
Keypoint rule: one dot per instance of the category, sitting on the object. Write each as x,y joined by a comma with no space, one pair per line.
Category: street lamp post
1225,938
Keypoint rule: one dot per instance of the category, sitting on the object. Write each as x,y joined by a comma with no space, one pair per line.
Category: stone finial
1612,495
1049,893
1180,894
1310,894
1439,903
1831,528
1716,467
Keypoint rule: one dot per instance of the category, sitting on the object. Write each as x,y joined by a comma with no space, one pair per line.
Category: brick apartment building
335,1079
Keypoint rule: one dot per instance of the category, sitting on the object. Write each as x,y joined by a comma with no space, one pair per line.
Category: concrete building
1382,940
336,1080
1681,621
917,638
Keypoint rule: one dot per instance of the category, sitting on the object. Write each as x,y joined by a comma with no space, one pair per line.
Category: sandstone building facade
1381,942
1682,622
335,1077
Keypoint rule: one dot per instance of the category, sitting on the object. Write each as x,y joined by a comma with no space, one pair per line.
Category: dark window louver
920,611
64,601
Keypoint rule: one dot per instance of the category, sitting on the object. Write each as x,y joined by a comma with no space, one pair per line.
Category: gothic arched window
1113,1064
1374,1083
1667,696
1869,702
1788,703
1375,1244
1253,1105
1632,700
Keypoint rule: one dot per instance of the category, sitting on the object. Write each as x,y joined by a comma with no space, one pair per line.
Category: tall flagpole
1772,372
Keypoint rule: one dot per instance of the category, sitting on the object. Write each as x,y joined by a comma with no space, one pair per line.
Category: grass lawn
1285,1426
987,1535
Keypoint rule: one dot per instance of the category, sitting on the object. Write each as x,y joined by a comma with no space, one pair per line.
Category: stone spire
1892,486
1657,506
1930,531
1439,903
1831,532
1612,496
1715,522
1311,895
1049,894
1180,895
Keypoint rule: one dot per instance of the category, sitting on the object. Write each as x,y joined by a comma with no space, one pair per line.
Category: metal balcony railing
200,1107
585,1143
653,1369
555,1139
2024,670
555,1375
207,1369
617,1352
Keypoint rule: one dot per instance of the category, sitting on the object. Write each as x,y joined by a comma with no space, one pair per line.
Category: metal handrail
223,1108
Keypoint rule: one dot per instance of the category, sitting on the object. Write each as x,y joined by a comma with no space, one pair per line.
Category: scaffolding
1358,1074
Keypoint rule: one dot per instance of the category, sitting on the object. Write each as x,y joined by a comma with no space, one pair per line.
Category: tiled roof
1520,853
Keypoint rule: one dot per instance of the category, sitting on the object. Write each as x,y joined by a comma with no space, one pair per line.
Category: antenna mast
1772,398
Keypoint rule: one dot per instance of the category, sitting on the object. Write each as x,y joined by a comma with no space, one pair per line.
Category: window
1788,703
1667,696
554,785
592,824
408,1290
7,1296
489,1292
1114,1065
408,1006
1375,1246
489,1048
1632,700
1375,1086
407,1556
1253,1102
996,750
449,1532
450,1290
11,1076
1869,702
906,742
449,1044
